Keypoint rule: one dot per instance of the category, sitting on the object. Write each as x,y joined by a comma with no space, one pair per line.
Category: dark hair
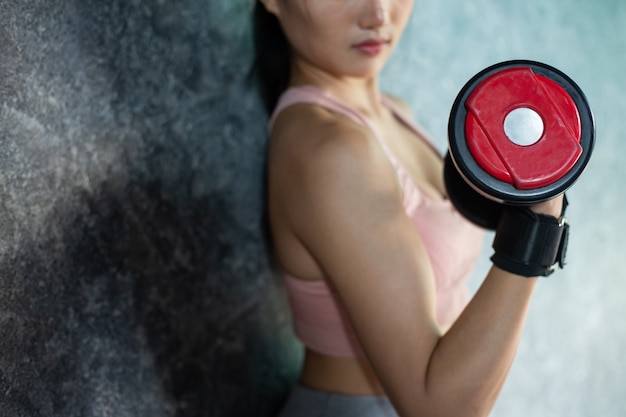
273,56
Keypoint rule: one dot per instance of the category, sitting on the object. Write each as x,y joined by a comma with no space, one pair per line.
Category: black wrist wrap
530,244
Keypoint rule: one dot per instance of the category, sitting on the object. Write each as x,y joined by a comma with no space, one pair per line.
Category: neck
361,93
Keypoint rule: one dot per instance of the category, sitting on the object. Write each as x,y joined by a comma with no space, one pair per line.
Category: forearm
471,361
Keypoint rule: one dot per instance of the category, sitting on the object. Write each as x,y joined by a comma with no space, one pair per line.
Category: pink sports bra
453,245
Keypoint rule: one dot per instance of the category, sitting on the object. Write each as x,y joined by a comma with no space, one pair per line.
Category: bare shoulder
325,172
314,127
315,145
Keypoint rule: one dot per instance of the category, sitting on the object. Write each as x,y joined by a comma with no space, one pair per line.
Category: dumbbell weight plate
520,132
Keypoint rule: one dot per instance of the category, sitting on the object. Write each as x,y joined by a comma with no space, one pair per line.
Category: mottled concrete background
133,275
134,279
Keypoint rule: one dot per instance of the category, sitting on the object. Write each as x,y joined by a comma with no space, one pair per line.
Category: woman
375,257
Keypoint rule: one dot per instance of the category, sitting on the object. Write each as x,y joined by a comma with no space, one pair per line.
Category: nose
374,14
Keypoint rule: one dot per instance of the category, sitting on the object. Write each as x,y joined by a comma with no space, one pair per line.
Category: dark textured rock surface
134,279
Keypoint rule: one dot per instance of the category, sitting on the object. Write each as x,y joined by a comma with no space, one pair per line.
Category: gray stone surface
134,279
133,274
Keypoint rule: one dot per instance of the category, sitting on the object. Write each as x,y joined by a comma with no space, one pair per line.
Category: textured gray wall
133,272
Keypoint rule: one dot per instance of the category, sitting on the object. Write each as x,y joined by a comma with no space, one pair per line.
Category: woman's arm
342,202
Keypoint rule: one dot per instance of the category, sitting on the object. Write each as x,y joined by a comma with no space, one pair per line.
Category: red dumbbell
520,132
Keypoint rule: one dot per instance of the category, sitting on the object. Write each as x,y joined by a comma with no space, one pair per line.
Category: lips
371,47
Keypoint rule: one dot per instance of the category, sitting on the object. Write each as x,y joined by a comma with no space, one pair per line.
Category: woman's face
342,37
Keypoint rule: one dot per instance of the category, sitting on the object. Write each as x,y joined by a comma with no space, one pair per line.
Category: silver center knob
523,126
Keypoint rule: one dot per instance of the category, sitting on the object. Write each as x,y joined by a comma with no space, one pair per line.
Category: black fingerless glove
530,244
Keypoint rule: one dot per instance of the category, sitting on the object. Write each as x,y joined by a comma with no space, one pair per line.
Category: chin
370,72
